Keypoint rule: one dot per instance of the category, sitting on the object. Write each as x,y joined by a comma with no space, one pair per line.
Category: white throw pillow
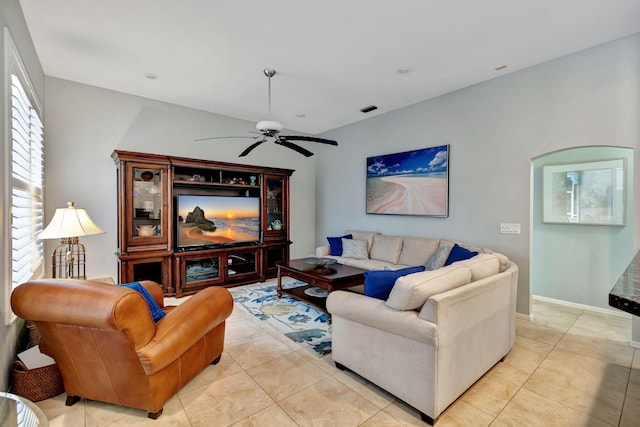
410,292
352,248
363,235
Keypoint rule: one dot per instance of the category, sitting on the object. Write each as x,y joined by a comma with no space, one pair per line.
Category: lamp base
68,259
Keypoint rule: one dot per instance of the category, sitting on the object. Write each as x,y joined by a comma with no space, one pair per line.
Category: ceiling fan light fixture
269,125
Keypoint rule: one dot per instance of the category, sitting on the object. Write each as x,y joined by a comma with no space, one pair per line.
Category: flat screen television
210,220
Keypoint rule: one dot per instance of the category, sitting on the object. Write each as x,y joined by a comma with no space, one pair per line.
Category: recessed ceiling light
403,70
151,76
502,67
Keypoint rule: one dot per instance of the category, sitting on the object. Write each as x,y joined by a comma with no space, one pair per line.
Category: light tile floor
568,367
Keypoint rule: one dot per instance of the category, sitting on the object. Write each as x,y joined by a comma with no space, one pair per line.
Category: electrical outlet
506,228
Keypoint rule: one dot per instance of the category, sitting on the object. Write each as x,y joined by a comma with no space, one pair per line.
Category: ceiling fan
270,129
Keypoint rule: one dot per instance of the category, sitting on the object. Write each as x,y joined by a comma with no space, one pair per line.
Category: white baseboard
523,316
611,312
635,344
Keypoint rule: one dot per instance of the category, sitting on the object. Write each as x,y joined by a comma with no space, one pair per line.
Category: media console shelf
149,189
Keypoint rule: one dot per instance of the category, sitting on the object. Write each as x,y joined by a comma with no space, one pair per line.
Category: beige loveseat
437,333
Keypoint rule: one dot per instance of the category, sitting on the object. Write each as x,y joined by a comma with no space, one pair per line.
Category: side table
16,411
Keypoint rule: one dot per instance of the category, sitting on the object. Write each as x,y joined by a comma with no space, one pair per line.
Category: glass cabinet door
276,210
148,205
198,270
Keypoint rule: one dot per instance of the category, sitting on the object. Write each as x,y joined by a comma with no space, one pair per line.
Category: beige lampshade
70,222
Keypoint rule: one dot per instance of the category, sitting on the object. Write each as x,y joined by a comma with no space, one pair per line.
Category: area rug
297,320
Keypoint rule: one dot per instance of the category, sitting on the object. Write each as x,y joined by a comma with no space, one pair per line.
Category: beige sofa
437,333
384,252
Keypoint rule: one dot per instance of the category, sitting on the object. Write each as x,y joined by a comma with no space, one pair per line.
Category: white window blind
27,174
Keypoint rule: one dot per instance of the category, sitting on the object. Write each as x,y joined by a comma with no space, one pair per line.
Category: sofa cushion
412,291
369,264
482,265
439,257
363,235
386,248
335,244
154,308
458,253
378,283
417,250
353,248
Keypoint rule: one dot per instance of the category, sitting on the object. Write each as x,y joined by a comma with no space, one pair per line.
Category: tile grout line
520,387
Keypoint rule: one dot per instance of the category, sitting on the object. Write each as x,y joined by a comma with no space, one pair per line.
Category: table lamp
68,258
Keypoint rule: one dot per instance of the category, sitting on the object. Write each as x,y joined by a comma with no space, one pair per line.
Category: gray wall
494,129
85,124
11,18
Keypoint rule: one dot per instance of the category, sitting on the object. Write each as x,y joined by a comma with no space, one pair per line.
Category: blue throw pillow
378,283
154,308
335,244
458,253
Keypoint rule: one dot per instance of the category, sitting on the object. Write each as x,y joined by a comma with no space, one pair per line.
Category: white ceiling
333,57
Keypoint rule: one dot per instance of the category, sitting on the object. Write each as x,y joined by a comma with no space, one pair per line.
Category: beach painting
409,183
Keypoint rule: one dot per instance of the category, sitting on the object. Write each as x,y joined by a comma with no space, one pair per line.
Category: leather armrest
155,290
184,325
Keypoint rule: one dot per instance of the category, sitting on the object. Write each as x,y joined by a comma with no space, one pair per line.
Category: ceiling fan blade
251,147
227,137
308,138
295,147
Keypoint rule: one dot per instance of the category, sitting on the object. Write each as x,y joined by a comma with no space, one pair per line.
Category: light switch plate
506,228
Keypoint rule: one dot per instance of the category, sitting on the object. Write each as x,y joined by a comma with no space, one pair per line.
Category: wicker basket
36,384
34,334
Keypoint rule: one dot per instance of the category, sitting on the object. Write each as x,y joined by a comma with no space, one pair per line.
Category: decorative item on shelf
68,258
235,180
148,206
146,230
146,176
195,178
276,225
252,180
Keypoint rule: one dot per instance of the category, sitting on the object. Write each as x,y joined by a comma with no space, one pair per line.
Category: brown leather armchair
107,346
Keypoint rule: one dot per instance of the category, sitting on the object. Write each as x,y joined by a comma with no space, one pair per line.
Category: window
25,161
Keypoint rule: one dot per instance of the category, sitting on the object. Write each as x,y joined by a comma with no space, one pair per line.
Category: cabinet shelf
183,183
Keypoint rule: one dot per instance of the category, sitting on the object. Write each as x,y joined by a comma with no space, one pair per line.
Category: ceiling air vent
369,108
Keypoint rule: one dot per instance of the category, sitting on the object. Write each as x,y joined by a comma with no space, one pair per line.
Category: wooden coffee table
331,277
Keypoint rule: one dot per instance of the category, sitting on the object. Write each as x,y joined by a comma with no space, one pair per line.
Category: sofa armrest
476,319
155,290
322,251
184,325
376,314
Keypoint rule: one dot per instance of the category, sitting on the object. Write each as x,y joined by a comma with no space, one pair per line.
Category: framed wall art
409,183
584,193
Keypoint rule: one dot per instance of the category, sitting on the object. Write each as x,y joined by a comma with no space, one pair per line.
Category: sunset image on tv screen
204,220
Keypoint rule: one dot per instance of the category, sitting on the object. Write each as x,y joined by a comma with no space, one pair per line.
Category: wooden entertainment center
149,189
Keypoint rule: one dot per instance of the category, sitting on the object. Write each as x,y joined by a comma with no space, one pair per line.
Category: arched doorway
578,263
